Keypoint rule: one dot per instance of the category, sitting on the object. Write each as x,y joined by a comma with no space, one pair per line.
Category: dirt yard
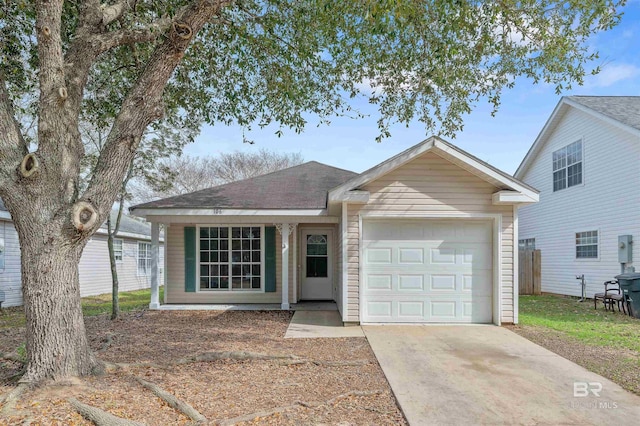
194,357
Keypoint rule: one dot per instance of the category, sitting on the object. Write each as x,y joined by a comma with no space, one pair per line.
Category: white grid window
230,258
587,245
527,244
117,250
144,258
567,166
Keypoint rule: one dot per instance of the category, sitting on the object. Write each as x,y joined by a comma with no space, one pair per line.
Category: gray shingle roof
129,224
625,109
299,187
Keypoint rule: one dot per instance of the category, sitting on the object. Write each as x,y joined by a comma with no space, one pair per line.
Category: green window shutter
270,259
190,259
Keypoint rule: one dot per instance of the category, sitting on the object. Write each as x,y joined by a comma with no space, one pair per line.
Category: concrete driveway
490,375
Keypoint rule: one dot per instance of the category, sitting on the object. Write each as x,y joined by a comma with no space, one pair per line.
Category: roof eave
550,124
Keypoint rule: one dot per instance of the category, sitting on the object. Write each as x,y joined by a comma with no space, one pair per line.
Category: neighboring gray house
133,256
585,163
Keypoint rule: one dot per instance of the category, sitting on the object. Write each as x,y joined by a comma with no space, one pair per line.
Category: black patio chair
611,297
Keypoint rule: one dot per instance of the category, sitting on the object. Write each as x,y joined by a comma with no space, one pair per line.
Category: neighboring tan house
426,236
585,163
132,251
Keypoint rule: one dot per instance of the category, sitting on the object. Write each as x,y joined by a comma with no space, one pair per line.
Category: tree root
174,402
11,398
12,357
107,341
100,417
295,405
236,356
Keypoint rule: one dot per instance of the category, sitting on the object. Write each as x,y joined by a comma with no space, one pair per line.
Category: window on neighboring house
567,166
117,250
527,244
587,245
231,258
1,254
144,258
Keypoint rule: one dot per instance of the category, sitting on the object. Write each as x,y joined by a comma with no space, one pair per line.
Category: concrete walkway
472,375
319,324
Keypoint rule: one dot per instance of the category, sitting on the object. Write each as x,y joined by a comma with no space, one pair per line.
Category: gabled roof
446,150
300,187
622,112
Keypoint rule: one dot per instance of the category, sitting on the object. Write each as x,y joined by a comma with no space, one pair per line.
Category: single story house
132,252
584,161
427,236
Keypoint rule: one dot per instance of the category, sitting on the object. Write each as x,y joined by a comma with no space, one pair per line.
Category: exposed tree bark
53,221
174,402
100,417
57,345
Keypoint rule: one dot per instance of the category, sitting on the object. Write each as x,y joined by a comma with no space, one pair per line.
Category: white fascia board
149,213
513,197
533,151
488,171
5,215
550,124
354,196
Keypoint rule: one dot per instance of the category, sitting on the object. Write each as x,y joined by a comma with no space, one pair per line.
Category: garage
427,271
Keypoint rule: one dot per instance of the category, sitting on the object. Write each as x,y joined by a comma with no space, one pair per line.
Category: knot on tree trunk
29,165
62,92
84,216
182,30
46,31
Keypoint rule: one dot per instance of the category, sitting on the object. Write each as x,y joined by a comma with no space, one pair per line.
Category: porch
240,264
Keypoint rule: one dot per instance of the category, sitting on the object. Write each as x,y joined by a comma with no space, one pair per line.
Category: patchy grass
581,321
605,342
91,306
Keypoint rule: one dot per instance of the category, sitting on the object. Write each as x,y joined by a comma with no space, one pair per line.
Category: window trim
575,246
231,290
138,274
525,244
566,167
121,250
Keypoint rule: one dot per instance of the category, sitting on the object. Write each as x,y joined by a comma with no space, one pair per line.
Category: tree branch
113,12
13,146
143,103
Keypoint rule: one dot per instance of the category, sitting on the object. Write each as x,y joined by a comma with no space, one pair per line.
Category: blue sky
502,140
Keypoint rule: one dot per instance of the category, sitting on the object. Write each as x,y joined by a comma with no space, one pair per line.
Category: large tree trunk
57,344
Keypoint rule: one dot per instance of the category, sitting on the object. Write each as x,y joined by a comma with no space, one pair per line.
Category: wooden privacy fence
529,274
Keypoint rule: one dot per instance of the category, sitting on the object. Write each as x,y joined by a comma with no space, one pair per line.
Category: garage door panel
432,309
443,272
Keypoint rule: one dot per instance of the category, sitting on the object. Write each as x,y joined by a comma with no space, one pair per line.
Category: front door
317,265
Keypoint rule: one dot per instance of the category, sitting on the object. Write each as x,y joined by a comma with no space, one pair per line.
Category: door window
317,256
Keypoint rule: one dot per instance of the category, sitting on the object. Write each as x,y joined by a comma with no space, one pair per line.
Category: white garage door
427,271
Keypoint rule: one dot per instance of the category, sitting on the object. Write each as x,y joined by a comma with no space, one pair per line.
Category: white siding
607,201
95,272
10,280
430,184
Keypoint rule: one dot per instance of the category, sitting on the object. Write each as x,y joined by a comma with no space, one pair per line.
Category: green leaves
279,61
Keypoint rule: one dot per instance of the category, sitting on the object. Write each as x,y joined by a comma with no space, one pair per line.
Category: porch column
285,230
155,255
